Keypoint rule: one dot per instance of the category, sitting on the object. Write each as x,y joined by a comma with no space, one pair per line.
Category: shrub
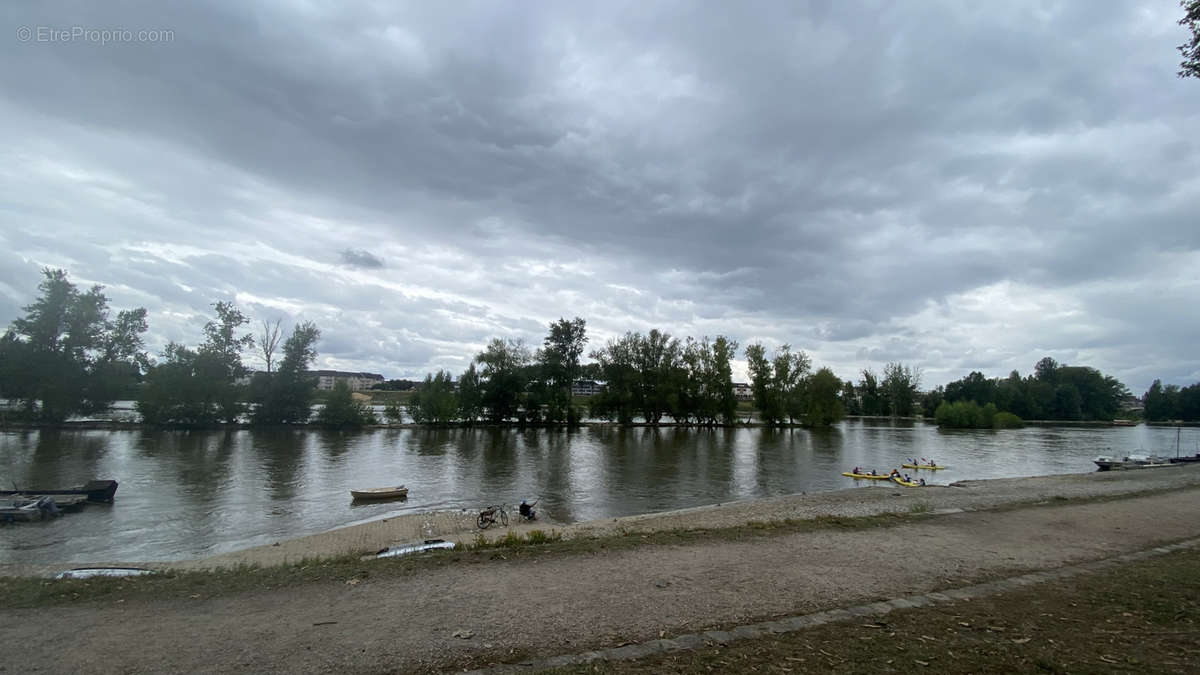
1007,420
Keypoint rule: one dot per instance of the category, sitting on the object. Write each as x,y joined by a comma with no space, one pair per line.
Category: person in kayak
857,470
922,482
895,473
526,511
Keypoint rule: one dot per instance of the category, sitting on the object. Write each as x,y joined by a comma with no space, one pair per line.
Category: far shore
107,425
459,526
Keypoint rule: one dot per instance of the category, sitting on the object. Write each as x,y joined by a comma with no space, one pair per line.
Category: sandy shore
459,526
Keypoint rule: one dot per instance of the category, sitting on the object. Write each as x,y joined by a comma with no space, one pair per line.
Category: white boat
1132,462
397,492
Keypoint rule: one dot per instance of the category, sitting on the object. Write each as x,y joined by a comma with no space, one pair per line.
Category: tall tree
873,402
558,360
268,341
616,365
196,388
504,377
823,407
900,385
1190,66
285,396
65,356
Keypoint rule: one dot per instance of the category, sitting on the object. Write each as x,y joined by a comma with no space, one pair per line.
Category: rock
661,584
464,634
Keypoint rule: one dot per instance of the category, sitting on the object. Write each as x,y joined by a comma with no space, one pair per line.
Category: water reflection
186,494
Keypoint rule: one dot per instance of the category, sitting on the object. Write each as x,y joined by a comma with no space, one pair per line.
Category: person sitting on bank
526,511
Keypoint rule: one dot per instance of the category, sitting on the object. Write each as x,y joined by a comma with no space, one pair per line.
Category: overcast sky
954,185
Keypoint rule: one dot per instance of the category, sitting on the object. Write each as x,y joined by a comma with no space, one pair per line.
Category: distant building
742,391
354,381
586,387
1131,404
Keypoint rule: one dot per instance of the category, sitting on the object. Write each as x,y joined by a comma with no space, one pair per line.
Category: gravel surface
574,602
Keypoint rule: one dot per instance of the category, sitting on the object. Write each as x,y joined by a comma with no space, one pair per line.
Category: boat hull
863,476
400,492
95,491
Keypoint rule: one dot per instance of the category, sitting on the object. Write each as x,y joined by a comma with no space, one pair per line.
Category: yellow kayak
868,476
905,483
931,467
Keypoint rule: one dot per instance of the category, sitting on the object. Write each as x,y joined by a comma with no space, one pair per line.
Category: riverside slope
573,602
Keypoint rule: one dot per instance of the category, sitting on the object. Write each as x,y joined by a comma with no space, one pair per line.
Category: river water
189,494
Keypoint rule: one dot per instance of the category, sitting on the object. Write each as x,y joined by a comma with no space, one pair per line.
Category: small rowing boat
931,467
397,492
866,476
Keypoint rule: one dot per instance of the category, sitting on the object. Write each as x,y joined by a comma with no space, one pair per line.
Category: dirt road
570,603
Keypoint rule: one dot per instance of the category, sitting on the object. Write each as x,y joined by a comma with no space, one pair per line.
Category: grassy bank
1142,618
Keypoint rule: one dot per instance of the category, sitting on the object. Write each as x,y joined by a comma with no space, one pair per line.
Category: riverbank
459,526
527,605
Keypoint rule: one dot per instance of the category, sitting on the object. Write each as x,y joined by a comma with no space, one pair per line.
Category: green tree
872,400
435,402
504,376
559,362
1190,66
931,400
1161,403
823,407
285,396
341,411
900,385
470,396
199,388
779,383
617,368
65,357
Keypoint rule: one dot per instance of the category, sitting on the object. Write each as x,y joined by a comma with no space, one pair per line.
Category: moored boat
396,492
94,491
1132,462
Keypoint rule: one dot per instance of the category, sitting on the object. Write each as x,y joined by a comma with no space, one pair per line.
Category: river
189,494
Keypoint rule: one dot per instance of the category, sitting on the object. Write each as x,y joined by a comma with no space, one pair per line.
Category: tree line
1052,392
69,356
1170,402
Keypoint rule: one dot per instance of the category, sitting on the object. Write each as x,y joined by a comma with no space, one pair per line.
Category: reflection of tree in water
552,478
496,466
202,460
281,454
435,442
784,458
62,459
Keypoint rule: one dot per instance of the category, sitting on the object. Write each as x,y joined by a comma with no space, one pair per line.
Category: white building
742,391
586,387
354,381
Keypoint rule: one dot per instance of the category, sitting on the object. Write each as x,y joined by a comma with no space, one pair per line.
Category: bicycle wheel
485,520
504,517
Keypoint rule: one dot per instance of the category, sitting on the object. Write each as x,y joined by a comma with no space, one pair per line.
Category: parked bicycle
492,515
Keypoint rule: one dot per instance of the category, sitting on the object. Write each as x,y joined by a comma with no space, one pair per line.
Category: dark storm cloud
360,258
939,183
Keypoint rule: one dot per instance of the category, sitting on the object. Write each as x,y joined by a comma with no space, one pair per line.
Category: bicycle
492,515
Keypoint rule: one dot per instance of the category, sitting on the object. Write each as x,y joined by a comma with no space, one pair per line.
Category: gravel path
569,603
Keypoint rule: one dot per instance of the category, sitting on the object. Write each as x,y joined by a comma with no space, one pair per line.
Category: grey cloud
818,173
360,258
